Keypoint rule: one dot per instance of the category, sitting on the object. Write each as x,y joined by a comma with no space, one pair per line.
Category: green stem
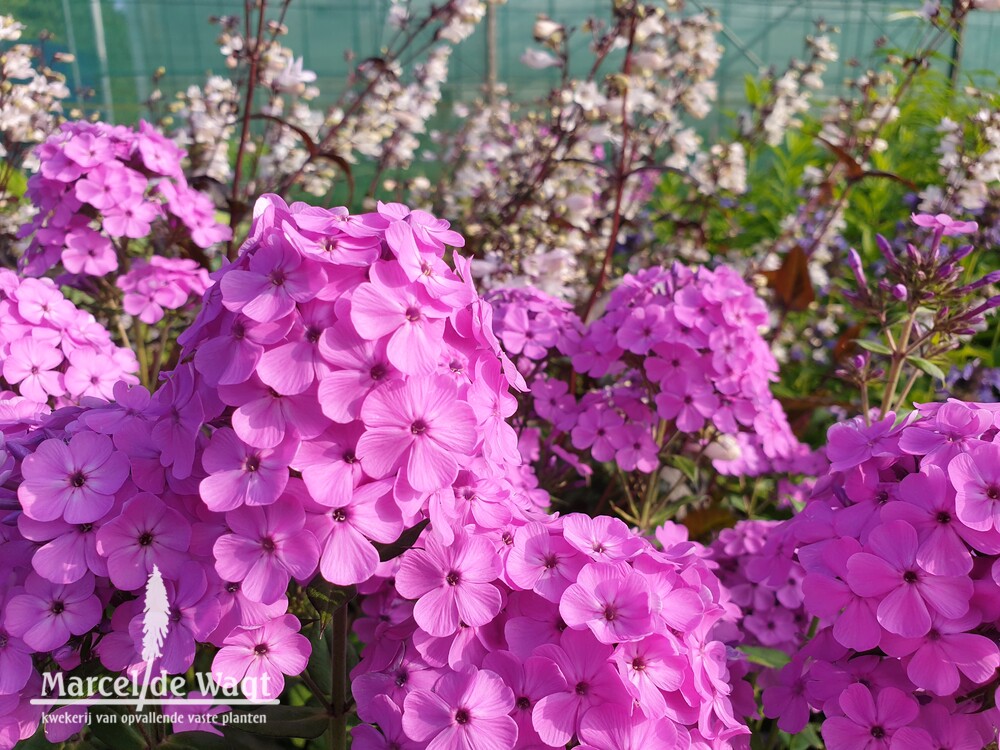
338,663
898,357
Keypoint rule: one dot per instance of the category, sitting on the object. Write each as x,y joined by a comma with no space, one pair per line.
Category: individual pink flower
944,224
108,185
329,464
359,366
131,219
602,538
653,666
241,475
596,429
31,364
948,648
259,658
852,443
530,680
16,666
291,367
66,552
267,546
418,425
75,481
868,723
47,614
543,562
613,728
635,448
367,513
88,252
389,735
264,418
907,592
687,399
467,710
451,584
277,278
591,681
146,533
612,600
976,478
390,306
91,374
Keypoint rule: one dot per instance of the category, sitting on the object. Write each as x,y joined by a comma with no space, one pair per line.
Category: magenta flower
591,681
597,428
16,666
259,658
75,481
390,306
231,357
451,584
420,426
530,680
976,478
131,219
242,475
603,538
389,735
146,533
852,443
466,711
91,374
292,367
614,728
687,399
948,648
267,547
869,723
89,252
31,363
359,367
543,562
264,418
329,464
276,279
653,666
343,532
612,600
109,185
907,592
47,614
944,224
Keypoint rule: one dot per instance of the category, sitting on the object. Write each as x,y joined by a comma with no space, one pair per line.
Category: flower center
260,649
412,314
339,515
377,372
582,688
232,588
944,517
145,539
85,528
175,614
551,562
452,578
419,427
638,664
78,479
910,576
523,703
350,458
57,608
878,732
277,277
993,492
253,463
461,716
267,544
610,613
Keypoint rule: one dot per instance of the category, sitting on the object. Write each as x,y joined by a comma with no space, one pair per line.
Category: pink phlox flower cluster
900,545
677,345
583,631
98,184
54,353
159,284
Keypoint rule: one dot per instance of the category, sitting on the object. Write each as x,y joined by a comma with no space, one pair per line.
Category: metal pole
491,51
102,57
71,42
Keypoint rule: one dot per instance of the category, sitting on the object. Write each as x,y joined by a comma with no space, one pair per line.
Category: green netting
140,35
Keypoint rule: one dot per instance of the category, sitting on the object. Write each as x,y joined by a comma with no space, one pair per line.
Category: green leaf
766,657
873,346
807,739
112,730
751,89
927,366
327,597
319,659
687,467
286,721
406,540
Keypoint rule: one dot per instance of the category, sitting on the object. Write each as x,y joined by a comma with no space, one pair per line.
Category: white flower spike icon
155,623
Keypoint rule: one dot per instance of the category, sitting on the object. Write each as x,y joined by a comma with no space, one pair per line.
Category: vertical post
71,43
491,51
955,64
102,57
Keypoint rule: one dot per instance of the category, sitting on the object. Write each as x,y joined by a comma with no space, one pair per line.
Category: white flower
539,59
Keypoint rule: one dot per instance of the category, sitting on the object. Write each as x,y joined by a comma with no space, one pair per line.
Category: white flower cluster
544,190
379,118
969,162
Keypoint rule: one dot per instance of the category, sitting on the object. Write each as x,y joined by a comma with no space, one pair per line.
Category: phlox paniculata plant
674,365
898,552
